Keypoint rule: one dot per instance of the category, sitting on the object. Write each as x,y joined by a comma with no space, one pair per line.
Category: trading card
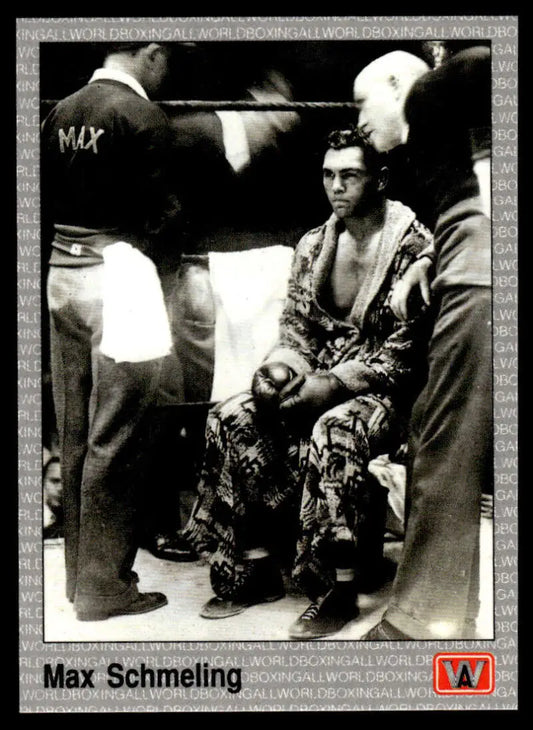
267,281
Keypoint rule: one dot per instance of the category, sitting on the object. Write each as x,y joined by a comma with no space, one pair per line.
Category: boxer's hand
269,380
309,396
416,278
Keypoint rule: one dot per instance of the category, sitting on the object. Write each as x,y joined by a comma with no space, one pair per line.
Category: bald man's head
380,90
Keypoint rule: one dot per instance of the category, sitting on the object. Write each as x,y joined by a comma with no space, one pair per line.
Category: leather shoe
384,631
143,603
174,548
325,616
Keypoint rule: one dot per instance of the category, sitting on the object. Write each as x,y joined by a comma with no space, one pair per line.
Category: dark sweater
105,152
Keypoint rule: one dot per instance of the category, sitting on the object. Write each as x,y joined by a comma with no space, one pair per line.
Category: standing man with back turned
445,117
104,152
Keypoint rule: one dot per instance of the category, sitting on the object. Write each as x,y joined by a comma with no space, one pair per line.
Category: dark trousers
435,594
102,410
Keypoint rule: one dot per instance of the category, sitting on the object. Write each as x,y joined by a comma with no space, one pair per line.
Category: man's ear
152,50
383,179
395,85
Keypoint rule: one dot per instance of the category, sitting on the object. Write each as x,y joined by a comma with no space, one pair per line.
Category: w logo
463,673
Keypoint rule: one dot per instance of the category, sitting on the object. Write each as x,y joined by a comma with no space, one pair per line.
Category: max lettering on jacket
78,140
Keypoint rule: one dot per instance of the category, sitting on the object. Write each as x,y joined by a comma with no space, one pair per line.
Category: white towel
135,321
250,288
391,476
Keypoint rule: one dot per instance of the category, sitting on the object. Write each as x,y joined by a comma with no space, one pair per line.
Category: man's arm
153,152
297,346
417,278
294,354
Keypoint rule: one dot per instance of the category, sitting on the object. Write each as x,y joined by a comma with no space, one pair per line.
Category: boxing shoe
175,548
326,616
262,583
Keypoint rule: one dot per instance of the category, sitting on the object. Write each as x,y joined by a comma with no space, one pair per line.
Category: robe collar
398,219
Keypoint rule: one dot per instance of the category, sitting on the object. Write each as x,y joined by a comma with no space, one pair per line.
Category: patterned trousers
262,485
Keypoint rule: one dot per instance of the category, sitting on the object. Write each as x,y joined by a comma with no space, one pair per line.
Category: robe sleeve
297,346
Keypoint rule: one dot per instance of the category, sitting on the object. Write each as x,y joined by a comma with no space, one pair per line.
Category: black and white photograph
273,413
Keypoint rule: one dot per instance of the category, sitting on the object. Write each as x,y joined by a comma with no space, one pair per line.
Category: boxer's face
347,182
380,111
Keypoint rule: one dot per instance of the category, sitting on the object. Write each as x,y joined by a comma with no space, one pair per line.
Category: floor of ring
186,586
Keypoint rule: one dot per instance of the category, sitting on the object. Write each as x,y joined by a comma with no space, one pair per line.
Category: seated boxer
334,393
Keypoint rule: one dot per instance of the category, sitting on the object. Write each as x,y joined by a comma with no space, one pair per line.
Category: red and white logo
463,674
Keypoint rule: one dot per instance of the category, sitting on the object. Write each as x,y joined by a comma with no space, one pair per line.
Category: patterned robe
257,475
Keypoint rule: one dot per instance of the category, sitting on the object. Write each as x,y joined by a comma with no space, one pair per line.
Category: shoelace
311,611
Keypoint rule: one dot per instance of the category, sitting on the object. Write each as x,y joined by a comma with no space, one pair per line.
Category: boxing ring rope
248,105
